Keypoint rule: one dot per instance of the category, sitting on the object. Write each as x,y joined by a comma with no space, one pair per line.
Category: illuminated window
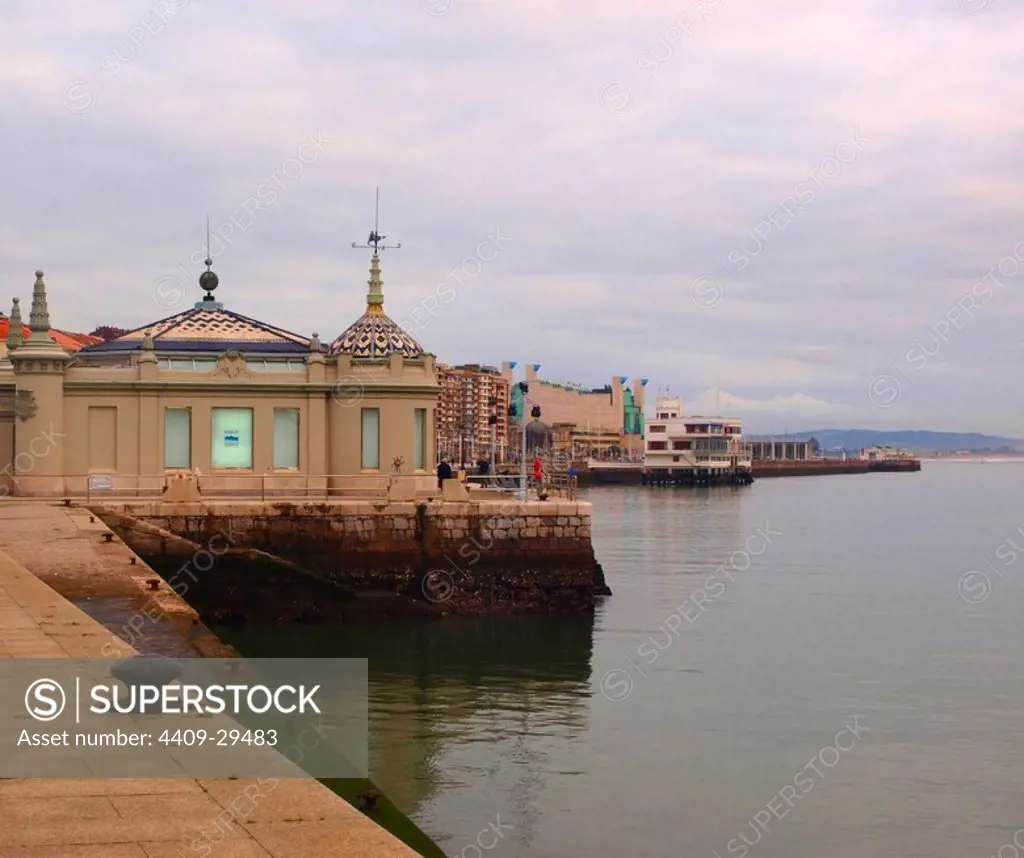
232,438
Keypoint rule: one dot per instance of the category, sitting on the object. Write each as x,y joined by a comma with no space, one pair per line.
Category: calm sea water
838,688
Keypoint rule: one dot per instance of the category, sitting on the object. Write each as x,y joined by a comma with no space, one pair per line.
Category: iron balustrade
243,486
276,486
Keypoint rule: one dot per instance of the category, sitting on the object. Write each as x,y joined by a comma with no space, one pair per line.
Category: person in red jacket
538,470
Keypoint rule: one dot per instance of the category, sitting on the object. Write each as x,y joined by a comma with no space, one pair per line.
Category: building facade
214,392
784,448
464,405
678,442
595,423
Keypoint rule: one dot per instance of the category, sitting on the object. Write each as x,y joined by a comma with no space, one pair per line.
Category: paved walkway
146,818
64,546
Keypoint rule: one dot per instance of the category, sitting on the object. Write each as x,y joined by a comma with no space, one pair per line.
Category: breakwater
615,474
286,562
808,467
822,467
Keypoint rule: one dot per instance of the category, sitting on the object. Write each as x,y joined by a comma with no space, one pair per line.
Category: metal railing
297,487
271,486
780,464
561,485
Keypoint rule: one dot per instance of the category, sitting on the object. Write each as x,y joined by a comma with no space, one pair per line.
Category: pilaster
39,439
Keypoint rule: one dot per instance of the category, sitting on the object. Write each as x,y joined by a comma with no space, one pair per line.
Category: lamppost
524,388
492,419
465,434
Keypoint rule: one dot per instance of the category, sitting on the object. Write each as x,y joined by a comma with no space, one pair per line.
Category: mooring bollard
369,798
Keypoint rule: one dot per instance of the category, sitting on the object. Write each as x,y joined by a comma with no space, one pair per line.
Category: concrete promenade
141,818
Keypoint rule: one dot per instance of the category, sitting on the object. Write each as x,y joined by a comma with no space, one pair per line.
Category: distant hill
918,440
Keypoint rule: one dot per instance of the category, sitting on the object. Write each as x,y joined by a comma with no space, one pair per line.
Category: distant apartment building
589,423
464,432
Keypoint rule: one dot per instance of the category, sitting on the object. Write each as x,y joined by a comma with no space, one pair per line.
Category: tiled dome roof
208,327
375,335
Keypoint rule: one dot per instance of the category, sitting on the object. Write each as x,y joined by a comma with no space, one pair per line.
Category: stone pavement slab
141,817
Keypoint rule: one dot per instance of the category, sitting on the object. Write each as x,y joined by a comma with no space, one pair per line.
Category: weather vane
376,240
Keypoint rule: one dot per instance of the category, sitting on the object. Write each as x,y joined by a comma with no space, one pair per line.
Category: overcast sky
779,199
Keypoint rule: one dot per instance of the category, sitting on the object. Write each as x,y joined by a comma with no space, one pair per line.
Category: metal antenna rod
376,240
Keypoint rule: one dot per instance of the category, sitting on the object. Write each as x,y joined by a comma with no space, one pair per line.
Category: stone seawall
319,562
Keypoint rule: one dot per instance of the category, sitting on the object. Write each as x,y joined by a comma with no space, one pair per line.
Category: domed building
248,405
385,391
538,436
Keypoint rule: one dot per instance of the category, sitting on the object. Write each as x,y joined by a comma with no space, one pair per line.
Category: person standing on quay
538,470
444,472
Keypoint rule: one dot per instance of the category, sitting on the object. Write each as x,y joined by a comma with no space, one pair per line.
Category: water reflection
466,710
853,613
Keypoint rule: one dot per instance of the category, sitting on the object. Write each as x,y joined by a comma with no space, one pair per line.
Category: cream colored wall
396,434
40,434
140,427
76,453
396,387
593,411
7,485
329,425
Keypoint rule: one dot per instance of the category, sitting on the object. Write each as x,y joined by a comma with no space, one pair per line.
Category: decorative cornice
27,360
73,386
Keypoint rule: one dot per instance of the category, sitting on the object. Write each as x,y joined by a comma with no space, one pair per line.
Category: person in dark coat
483,467
444,472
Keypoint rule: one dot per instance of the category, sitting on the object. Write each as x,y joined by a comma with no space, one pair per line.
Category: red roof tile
67,340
